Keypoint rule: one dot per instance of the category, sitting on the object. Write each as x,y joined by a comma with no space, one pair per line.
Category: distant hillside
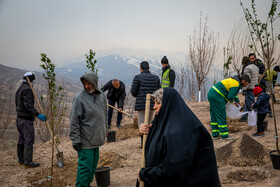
110,67
11,78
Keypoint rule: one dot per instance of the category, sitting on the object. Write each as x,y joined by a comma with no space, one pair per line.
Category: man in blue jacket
144,83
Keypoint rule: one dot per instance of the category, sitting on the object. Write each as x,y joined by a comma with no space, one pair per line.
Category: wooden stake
147,122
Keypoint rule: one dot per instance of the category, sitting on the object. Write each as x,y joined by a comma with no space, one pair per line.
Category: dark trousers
260,127
26,131
249,100
110,112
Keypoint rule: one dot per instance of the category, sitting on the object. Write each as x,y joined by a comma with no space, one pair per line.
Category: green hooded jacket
89,116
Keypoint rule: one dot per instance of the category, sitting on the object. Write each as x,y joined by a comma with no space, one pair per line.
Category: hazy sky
67,29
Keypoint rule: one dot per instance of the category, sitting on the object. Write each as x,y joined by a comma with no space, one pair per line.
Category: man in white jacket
253,72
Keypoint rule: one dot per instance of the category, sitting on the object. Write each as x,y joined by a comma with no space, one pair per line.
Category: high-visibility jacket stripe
165,82
224,133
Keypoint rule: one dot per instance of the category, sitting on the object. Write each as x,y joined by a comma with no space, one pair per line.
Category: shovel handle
147,121
40,107
120,110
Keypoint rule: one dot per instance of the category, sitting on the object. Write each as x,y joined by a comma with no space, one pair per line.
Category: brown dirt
243,162
242,152
128,131
248,175
67,175
236,126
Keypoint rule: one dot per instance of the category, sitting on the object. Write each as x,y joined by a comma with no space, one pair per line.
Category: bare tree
192,87
237,47
181,79
203,45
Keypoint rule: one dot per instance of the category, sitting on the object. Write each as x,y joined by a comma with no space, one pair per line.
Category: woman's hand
143,129
138,177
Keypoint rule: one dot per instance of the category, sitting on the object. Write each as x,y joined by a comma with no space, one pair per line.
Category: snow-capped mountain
109,67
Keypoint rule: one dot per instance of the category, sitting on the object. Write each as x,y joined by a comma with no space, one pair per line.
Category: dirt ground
243,162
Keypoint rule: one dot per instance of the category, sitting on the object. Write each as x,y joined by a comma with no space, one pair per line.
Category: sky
66,29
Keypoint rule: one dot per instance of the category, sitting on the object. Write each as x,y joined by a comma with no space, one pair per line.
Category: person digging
24,99
218,96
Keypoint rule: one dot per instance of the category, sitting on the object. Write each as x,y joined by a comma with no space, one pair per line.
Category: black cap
164,60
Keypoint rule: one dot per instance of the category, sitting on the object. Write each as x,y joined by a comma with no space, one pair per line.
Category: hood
237,78
266,96
92,79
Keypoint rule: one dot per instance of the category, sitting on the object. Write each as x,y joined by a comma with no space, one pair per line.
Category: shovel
121,111
59,155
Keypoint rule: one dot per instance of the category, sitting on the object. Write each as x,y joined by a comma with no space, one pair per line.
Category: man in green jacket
271,77
88,127
168,74
218,96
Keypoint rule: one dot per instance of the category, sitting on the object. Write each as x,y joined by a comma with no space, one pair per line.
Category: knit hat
164,60
257,90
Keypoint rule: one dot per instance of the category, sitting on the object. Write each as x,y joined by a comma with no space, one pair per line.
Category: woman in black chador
179,150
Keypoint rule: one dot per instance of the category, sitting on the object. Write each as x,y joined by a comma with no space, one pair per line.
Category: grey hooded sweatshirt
89,116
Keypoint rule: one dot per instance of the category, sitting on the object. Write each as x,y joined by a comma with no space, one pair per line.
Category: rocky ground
243,162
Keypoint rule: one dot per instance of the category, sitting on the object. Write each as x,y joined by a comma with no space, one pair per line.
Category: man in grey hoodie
88,127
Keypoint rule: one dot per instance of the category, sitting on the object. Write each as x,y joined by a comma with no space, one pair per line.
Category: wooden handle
147,121
41,109
118,109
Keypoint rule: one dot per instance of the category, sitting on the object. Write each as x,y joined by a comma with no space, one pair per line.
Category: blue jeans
110,112
249,100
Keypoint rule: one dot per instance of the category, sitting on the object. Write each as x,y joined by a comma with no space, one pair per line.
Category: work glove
77,146
42,117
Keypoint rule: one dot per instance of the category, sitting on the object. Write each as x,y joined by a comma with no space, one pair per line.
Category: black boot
28,154
20,153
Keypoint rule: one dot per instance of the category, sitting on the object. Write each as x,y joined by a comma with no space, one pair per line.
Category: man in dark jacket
168,74
25,116
116,93
88,127
257,62
144,83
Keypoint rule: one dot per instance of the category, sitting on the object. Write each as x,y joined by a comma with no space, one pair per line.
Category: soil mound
110,159
247,175
242,152
126,132
67,175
